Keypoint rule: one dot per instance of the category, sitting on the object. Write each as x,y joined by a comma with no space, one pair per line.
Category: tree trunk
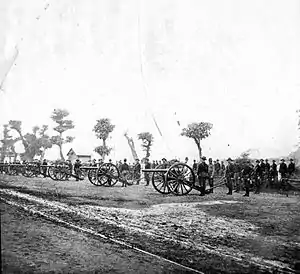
103,156
199,148
60,148
60,153
131,145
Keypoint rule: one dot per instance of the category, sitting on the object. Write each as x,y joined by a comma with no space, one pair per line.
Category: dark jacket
202,170
291,168
283,169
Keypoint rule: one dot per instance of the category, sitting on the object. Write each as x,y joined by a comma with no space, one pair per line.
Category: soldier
195,166
217,167
186,160
257,176
100,162
229,174
137,171
77,170
153,164
164,163
124,170
147,175
246,177
283,169
211,174
202,173
291,167
273,173
44,168
222,168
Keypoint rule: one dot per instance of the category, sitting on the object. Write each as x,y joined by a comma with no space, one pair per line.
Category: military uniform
137,172
246,175
211,174
291,168
202,173
77,170
229,174
257,177
147,175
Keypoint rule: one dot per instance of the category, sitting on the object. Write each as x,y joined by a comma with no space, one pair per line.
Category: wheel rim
159,181
108,175
180,178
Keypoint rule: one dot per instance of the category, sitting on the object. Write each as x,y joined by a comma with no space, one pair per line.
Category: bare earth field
212,234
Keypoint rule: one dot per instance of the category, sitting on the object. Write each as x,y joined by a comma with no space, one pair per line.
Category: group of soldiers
245,174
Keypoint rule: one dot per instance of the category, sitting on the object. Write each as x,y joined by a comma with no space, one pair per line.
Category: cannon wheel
52,170
108,175
28,171
180,179
159,181
92,176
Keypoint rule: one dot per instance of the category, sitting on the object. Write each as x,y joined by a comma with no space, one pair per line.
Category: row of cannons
170,178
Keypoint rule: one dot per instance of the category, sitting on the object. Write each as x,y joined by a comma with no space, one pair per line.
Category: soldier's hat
164,159
257,161
229,159
282,160
203,158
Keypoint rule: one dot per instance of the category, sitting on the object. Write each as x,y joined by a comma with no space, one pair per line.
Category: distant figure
273,173
218,167
44,168
77,170
186,160
137,171
291,167
229,173
195,165
283,169
100,162
124,171
222,168
153,164
202,173
211,174
147,175
246,177
257,176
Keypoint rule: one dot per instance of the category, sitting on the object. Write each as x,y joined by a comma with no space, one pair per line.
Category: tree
8,144
198,132
102,130
35,143
131,145
58,116
147,142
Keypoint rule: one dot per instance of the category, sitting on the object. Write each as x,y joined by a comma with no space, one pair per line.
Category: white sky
233,63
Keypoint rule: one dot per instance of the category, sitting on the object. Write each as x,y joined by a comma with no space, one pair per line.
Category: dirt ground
214,234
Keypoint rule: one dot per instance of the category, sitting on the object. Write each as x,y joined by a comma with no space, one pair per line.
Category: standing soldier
211,174
273,173
153,164
195,166
236,177
202,173
267,172
137,171
222,168
246,175
124,170
147,175
218,168
283,171
291,167
257,176
44,168
229,174
77,166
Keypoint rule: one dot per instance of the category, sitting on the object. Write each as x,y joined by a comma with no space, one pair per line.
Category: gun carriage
176,178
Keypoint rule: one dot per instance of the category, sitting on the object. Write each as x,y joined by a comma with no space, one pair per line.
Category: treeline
37,141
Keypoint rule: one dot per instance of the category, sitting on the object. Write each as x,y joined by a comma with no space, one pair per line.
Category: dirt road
30,244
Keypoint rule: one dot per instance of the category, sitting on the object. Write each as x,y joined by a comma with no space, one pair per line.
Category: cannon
178,179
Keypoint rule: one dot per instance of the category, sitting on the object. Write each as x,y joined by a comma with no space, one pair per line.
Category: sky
235,64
